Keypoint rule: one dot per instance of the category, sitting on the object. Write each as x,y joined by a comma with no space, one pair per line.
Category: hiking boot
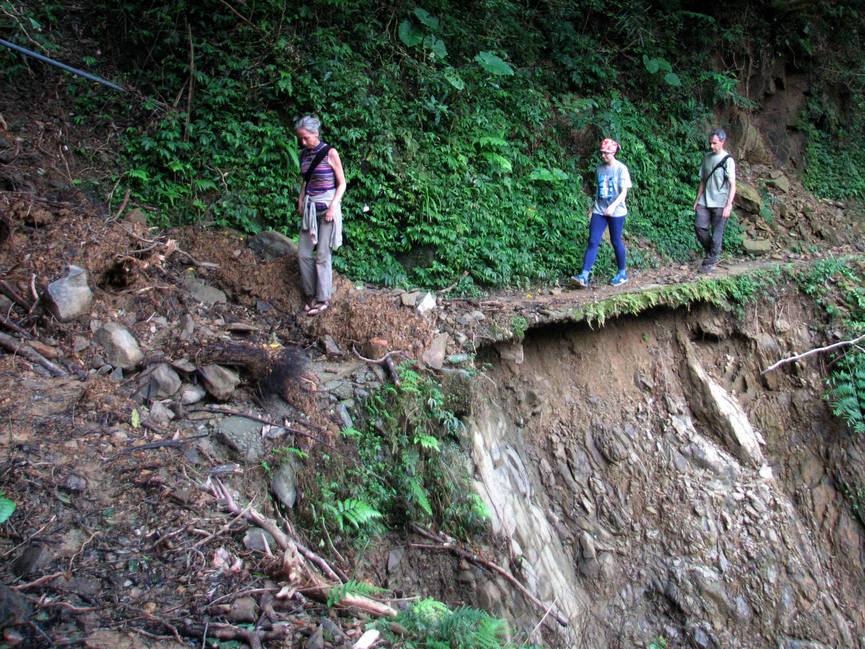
581,280
707,268
620,278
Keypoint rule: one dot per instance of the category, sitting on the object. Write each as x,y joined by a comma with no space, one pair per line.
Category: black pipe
62,66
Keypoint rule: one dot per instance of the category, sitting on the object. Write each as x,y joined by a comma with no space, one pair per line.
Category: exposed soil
119,538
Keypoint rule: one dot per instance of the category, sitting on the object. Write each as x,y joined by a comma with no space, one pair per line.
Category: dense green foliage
838,287
429,624
410,468
468,132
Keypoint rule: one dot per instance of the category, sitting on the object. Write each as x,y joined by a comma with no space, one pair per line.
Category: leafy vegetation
838,286
410,468
7,507
468,133
429,624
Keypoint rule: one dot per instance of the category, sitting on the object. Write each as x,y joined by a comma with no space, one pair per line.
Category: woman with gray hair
318,205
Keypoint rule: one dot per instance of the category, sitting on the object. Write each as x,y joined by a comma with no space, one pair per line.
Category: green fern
847,393
353,511
432,625
352,587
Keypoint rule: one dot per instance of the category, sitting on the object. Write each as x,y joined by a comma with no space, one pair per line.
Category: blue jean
598,224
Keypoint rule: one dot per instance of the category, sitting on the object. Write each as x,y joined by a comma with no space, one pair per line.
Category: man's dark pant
709,227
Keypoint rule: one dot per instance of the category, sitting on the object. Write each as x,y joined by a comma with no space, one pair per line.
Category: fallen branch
320,588
23,349
811,352
13,295
253,637
6,322
448,289
385,360
445,542
122,204
165,443
38,582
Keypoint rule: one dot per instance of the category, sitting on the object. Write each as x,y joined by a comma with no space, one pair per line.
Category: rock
702,639
367,640
187,327
747,197
435,355
191,393
332,631
409,299
79,344
781,182
14,608
219,381
394,558
5,304
471,318
768,352
163,383
342,390
721,411
316,640
511,352
243,609
344,416
110,639
587,546
284,483
427,304
31,560
611,445
243,436
330,347
258,540
270,245
121,348
160,414
75,483
69,297
757,246
457,359
202,291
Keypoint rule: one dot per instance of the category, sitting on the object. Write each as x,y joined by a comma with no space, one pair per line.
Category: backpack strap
317,160
721,165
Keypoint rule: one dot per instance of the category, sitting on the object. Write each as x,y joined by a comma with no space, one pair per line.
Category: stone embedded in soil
316,640
243,609
160,414
435,355
284,483
748,198
757,246
394,558
258,540
121,348
163,382
219,381
242,436
14,608
190,394
427,304
409,299
74,483
331,348
69,297
270,245
202,291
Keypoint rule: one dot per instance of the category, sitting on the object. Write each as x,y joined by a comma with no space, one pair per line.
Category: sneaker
620,278
581,280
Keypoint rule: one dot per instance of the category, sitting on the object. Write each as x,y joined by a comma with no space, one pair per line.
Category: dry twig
23,349
811,352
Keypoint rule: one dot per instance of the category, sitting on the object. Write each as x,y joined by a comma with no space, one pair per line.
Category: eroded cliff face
651,483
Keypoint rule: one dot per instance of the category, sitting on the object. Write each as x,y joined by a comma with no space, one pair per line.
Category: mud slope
654,485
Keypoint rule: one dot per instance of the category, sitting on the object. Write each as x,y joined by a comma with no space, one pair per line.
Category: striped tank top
323,179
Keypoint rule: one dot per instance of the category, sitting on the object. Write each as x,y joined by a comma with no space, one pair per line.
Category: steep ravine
652,484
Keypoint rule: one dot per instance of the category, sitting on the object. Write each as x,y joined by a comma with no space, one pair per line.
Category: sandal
318,308
308,306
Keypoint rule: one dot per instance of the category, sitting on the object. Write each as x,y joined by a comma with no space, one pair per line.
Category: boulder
781,182
121,348
409,299
69,297
757,246
219,381
748,198
270,245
